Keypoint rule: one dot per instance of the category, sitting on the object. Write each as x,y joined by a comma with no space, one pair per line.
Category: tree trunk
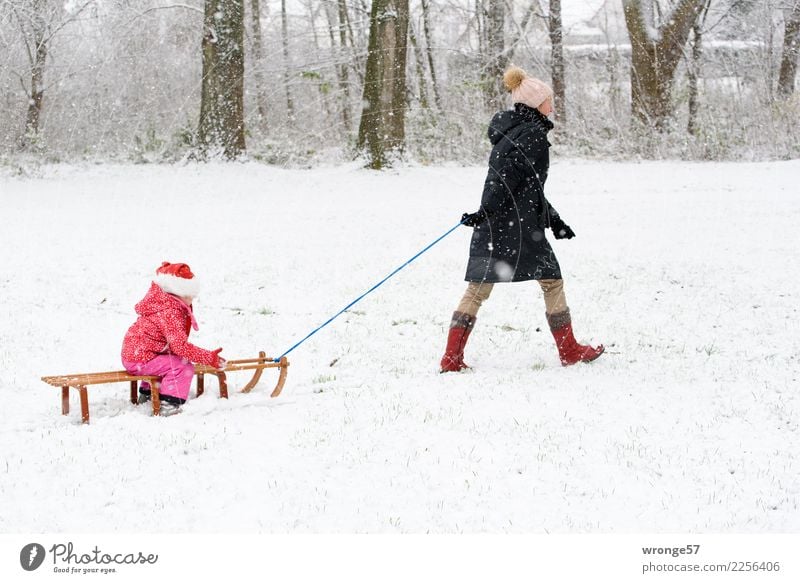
495,59
655,57
322,84
258,61
35,30
381,132
557,55
341,67
429,50
222,96
36,97
286,75
345,77
419,65
356,61
480,14
791,49
693,73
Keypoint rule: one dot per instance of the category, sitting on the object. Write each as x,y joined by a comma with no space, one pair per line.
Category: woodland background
304,82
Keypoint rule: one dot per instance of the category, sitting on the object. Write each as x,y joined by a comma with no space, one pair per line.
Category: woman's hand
473,219
561,230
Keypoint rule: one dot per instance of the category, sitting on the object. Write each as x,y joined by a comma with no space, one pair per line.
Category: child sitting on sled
158,344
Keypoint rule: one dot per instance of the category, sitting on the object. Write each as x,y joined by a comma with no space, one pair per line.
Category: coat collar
157,300
533,115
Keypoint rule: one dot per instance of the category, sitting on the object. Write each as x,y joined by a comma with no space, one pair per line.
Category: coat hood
502,123
510,124
157,300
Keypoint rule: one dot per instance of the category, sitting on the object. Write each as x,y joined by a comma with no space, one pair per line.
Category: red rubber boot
569,350
460,329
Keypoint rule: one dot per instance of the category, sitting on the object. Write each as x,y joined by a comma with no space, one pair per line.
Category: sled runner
80,382
256,364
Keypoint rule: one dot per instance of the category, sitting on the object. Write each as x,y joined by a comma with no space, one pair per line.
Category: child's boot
168,409
170,405
144,392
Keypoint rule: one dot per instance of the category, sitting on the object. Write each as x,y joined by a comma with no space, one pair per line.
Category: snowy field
687,272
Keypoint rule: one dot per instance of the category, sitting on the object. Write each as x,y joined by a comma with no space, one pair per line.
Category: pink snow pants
176,373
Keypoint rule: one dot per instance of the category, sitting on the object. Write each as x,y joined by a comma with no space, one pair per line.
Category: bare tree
694,67
222,97
39,22
356,61
286,75
480,26
335,23
428,45
656,50
495,59
381,133
418,65
557,56
258,63
693,76
791,49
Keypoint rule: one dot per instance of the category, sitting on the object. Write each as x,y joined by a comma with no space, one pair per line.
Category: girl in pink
158,342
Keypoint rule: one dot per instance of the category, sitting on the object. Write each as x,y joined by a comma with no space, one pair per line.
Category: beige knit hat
524,89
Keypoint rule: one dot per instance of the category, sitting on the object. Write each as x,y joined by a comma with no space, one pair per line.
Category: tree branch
676,30
166,7
634,19
73,17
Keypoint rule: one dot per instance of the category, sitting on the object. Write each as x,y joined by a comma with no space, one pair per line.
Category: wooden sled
255,364
80,382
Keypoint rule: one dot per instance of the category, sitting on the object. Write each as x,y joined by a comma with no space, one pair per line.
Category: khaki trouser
554,299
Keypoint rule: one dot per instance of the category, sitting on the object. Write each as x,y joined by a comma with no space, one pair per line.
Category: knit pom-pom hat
177,279
524,89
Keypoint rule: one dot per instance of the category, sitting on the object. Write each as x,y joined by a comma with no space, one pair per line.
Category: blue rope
370,290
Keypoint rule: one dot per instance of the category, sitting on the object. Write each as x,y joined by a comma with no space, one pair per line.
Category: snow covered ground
687,272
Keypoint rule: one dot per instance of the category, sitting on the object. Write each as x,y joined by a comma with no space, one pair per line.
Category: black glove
561,230
473,219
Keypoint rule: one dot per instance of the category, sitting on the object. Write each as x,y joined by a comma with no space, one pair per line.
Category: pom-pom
513,78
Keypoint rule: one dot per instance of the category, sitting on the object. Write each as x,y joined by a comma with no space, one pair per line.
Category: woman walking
508,242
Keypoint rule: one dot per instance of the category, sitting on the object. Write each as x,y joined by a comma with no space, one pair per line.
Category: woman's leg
474,296
555,301
461,325
560,321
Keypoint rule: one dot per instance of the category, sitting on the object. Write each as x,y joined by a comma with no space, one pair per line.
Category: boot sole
600,350
463,368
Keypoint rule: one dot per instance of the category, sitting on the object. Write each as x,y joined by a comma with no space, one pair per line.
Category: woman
508,242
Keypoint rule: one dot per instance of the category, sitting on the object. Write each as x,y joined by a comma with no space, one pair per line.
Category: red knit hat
177,279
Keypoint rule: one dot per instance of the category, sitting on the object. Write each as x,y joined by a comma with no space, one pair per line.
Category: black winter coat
510,244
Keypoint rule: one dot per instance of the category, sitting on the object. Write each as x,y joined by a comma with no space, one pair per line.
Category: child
158,342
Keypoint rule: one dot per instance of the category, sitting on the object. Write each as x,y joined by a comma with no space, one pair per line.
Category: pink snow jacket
163,327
